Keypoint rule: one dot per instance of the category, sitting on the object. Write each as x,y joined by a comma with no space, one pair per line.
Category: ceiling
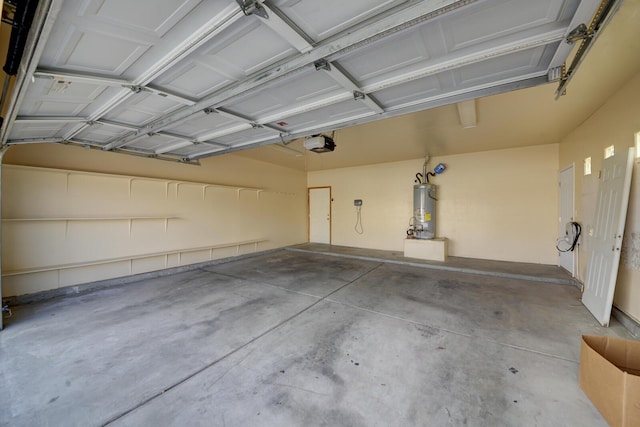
185,80
519,118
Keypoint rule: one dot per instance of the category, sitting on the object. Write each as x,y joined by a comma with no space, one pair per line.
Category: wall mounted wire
358,227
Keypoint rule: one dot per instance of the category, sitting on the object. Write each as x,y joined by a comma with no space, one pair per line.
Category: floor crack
234,351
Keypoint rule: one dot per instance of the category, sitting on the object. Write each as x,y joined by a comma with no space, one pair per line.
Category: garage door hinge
322,64
252,7
135,88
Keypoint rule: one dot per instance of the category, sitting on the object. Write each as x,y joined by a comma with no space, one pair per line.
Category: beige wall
63,227
615,123
500,205
228,169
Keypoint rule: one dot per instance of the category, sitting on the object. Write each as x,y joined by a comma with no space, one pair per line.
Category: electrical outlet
357,202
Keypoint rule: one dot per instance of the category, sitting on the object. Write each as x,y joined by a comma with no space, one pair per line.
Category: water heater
424,211
423,221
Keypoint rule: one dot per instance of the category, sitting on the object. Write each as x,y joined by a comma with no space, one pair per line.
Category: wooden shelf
131,258
89,219
118,218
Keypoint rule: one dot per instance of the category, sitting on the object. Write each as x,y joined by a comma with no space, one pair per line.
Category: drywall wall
615,123
499,205
229,169
63,227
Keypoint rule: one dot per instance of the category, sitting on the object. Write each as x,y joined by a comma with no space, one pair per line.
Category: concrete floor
514,270
294,338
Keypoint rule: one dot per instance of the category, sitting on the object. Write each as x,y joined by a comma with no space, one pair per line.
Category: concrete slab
514,270
81,361
336,365
541,317
291,339
298,272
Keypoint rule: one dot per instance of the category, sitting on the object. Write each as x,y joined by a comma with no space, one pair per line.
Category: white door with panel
606,242
566,258
320,215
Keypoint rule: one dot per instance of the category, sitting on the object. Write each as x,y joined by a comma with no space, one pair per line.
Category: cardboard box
610,377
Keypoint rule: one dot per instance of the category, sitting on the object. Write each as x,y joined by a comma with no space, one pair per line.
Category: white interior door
320,215
606,242
566,260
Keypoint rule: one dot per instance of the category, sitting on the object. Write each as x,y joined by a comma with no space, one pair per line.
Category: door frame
330,211
573,212
3,150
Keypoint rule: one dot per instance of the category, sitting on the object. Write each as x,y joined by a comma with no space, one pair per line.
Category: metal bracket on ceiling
256,125
357,95
252,7
9,13
136,89
555,74
322,64
579,33
208,110
282,135
587,36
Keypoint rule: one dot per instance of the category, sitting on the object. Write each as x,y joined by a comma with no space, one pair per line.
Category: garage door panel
502,19
329,115
202,17
93,109
390,56
237,52
116,54
195,80
48,107
249,48
287,94
426,87
195,149
77,48
36,130
121,31
51,97
151,16
101,133
63,89
142,108
404,57
153,142
531,61
203,124
320,20
248,136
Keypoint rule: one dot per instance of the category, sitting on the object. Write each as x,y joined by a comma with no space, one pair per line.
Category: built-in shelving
115,218
87,226
89,219
131,258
